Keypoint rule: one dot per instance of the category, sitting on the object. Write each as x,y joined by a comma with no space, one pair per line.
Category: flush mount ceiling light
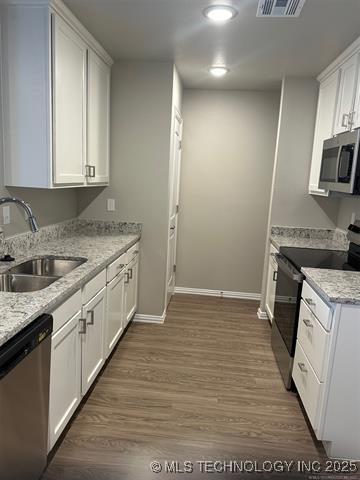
220,13
218,71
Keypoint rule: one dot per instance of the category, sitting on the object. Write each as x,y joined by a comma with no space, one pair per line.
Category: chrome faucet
32,220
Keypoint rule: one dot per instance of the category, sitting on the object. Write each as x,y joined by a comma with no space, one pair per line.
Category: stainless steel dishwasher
24,401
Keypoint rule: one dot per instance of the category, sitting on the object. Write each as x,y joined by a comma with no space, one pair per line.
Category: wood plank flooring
204,385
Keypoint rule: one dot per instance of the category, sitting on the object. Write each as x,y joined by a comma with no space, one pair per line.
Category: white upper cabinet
56,88
69,105
345,104
338,106
98,119
324,127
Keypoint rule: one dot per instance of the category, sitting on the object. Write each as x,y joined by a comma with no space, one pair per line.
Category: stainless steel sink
24,283
47,266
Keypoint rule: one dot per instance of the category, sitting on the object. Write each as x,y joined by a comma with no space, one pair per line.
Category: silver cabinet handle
309,301
275,276
90,171
92,317
127,277
345,120
308,323
136,252
131,273
83,321
120,266
302,367
351,118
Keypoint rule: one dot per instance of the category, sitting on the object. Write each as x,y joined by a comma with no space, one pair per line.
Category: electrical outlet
111,205
6,215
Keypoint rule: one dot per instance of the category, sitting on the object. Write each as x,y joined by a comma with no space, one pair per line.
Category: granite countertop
19,309
322,243
335,286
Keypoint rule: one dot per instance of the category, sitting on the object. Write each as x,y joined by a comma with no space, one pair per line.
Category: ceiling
258,51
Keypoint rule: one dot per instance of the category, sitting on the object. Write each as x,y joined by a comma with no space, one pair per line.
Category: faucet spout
34,227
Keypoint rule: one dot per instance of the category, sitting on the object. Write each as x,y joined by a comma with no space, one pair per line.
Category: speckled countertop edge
17,310
335,286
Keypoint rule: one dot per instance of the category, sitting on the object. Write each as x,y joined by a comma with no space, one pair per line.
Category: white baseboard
262,315
218,293
139,317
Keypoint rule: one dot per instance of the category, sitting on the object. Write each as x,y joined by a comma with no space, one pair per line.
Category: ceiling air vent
280,8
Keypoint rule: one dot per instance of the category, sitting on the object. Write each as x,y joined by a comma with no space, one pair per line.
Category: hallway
203,385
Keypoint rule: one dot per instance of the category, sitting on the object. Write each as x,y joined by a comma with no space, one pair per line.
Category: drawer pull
92,317
302,367
308,323
310,301
131,273
120,266
127,277
275,276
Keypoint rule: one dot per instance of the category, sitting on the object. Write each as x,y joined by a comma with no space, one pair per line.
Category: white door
115,316
174,187
356,115
131,288
69,104
345,103
98,132
92,346
65,377
324,127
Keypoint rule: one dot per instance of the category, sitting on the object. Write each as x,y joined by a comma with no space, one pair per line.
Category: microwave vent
280,8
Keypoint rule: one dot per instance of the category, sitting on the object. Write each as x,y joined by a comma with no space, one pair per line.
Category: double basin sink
37,273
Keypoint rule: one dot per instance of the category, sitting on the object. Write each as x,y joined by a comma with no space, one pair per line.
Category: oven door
287,302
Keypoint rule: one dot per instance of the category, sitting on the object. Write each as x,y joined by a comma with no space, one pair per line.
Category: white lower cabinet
92,339
115,318
326,372
271,283
87,327
131,288
65,376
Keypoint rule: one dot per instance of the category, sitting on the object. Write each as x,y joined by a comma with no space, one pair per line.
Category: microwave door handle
288,269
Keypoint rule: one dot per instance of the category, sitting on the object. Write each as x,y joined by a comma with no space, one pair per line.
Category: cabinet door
115,316
69,104
271,287
346,97
65,377
131,288
98,132
356,113
324,127
92,346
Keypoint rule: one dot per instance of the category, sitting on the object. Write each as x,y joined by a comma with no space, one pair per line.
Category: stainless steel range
290,260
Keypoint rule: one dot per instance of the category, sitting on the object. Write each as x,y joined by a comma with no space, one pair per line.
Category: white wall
348,206
141,103
227,161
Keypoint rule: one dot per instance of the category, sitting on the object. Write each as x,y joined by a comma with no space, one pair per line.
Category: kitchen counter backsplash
25,242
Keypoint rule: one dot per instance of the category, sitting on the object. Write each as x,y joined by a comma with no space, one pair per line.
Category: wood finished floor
202,386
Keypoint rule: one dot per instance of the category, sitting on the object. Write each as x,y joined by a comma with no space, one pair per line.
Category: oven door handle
288,269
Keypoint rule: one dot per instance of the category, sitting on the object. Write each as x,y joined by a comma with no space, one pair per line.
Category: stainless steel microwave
340,165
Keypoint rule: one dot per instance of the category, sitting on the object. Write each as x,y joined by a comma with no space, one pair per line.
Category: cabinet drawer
308,385
317,305
93,287
314,340
132,252
114,268
66,311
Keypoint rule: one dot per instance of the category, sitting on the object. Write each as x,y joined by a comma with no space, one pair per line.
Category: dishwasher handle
18,347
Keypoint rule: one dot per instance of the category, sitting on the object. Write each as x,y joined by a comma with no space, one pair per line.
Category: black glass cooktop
316,258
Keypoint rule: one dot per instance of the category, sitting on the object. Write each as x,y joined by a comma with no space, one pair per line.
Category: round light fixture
218,71
220,13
